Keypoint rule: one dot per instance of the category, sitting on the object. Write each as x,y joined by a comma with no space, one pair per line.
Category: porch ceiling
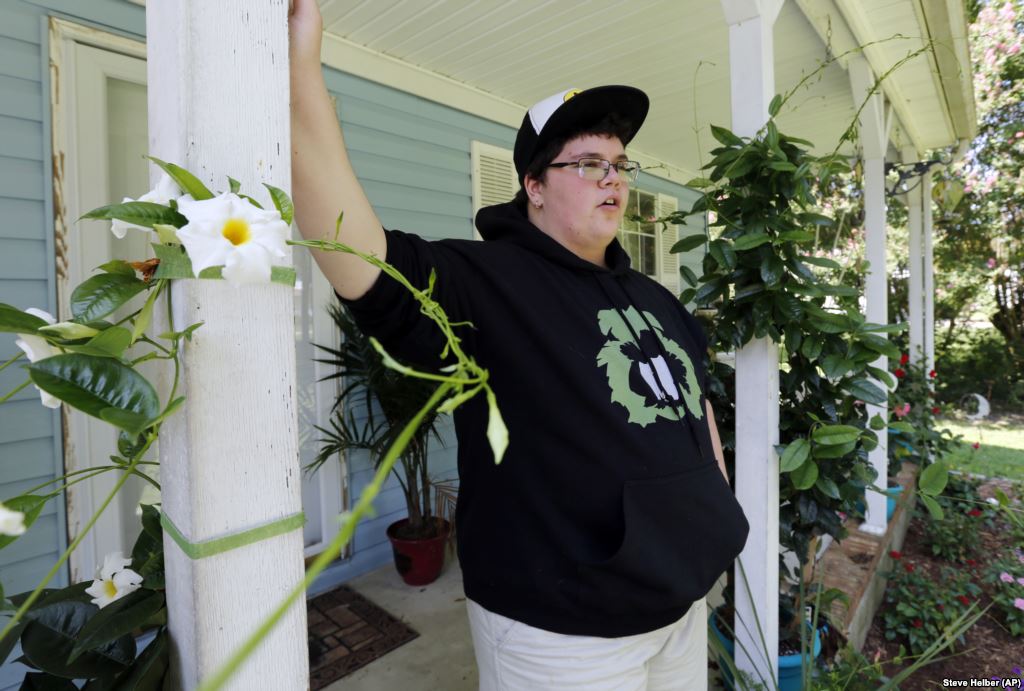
678,52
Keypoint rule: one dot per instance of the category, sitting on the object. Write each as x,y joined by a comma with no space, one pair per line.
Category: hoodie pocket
681,533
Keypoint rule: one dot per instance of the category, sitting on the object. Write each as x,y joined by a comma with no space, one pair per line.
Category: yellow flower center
236,231
110,588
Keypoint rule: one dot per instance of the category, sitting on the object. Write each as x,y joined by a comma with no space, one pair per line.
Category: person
588,551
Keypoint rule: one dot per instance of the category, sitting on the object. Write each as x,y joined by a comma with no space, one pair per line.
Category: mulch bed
346,632
990,650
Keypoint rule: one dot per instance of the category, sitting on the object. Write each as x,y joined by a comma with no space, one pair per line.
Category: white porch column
218,105
752,86
928,273
915,283
874,135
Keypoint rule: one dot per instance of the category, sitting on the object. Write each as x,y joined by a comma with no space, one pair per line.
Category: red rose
976,445
936,410
918,623
909,567
932,374
895,555
974,512
899,373
904,359
963,599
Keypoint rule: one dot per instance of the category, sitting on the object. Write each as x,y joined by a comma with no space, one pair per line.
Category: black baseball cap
574,110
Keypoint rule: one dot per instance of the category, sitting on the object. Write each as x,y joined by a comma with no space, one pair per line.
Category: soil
990,650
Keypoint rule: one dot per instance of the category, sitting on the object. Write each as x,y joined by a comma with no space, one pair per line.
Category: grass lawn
1000,451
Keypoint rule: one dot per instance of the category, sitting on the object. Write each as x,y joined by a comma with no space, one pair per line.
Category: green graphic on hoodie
623,359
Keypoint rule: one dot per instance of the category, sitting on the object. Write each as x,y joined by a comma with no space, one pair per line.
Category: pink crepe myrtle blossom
1005,577
1019,603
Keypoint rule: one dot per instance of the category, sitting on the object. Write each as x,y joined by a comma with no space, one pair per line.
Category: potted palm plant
374,404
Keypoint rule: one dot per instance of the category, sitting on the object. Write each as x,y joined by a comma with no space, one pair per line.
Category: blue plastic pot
790,672
890,501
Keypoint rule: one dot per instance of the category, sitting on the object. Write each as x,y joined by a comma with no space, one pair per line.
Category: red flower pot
418,562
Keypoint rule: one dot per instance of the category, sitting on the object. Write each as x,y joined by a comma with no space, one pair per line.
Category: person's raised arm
323,182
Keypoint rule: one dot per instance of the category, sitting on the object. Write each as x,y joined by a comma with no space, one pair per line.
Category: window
648,244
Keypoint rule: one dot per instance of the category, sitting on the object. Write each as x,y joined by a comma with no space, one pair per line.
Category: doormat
346,632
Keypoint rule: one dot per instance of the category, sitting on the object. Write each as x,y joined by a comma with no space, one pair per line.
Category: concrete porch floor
441,658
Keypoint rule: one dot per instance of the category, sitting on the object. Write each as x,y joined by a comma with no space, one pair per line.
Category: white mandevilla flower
11,522
37,348
230,232
115,581
166,189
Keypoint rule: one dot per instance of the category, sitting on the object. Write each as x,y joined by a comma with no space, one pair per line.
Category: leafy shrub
978,362
1007,578
918,609
955,537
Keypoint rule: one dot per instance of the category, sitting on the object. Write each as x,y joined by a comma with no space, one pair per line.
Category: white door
102,110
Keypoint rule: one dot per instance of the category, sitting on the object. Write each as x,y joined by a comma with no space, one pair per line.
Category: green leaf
838,451
827,487
145,214
934,478
70,331
686,297
772,270
750,241
812,290
866,391
11,640
725,136
795,455
147,674
30,505
814,219
174,263
782,166
748,290
188,182
699,183
145,316
828,327
882,375
99,295
98,386
775,105
846,291
877,422
832,435
234,185
820,261
282,203
933,507
51,633
111,342
884,328
13,320
811,347
904,427
166,234
835,365
709,291
688,243
805,476
117,266
797,236
688,275
879,344
723,253
116,620
742,166
789,305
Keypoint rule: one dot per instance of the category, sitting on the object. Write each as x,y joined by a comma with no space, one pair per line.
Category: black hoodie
608,515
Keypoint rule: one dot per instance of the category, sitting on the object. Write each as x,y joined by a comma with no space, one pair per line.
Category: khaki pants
512,656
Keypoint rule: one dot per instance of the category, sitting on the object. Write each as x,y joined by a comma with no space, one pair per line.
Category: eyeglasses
597,168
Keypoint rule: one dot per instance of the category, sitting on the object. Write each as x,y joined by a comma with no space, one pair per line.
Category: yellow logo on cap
569,94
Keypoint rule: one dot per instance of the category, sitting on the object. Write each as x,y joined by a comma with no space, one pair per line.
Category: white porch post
218,105
752,86
874,135
915,283
928,273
